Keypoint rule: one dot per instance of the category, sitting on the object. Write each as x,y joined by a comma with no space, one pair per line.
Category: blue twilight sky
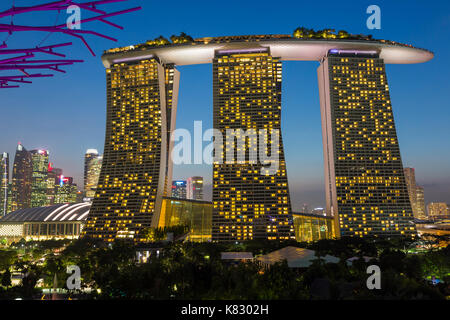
66,114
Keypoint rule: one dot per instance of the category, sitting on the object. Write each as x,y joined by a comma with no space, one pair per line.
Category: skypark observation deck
287,48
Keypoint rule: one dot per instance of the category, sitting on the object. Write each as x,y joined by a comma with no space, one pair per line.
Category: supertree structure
21,65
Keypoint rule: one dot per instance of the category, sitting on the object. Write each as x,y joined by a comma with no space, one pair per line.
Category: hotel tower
247,202
141,110
366,192
365,185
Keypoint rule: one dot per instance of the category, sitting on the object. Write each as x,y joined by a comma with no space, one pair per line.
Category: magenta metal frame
21,60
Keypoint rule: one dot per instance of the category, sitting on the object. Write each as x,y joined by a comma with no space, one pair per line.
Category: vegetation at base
186,270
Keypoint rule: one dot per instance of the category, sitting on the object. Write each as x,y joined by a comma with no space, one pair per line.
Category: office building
194,188
420,203
4,172
21,179
66,193
410,179
179,189
52,182
39,160
436,209
92,168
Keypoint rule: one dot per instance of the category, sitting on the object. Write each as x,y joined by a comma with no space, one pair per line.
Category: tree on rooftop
162,41
342,34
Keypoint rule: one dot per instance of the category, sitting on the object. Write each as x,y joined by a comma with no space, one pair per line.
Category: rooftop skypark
300,33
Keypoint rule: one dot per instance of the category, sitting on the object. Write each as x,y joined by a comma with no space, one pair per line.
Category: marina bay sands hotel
366,192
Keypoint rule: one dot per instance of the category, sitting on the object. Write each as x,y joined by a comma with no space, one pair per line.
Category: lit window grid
246,204
370,185
124,202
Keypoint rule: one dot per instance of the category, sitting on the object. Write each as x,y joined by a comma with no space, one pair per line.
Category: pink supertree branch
20,59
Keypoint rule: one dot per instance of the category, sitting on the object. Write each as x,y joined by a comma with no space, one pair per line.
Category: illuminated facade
66,193
194,188
92,168
365,185
179,189
196,215
436,209
63,221
366,189
4,172
420,198
247,95
311,227
52,182
414,193
39,160
21,179
133,177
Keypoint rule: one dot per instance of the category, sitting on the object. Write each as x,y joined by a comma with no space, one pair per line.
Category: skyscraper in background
365,184
92,168
52,181
194,188
39,178
305,208
410,179
179,189
4,171
436,209
66,190
416,194
420,203
248,203
21,179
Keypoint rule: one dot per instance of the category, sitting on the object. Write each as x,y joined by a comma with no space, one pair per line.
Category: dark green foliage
195,270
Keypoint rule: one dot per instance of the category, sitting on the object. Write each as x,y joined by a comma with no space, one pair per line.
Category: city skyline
421,135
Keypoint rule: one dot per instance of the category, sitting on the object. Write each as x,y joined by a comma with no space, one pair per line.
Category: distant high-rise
66,191
410,179
21,179
92,168
39,178
436,209
194,188
305,208
52,182
420,203
318,211
179,189
4,171
365,184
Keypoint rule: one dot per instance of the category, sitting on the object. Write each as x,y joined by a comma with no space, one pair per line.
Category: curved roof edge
57,213
286,49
